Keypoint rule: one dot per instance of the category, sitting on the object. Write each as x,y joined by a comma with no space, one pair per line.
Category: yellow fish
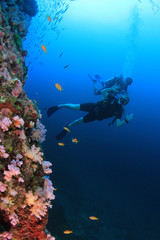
74,140
93,218
61,144
58,86
35,102
49,19
67,232
44,48
67,129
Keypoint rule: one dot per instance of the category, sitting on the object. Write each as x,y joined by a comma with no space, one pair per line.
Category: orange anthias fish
74,140
67,232
93,218
49,19
67,129
44,48
61,144
56,18
58,86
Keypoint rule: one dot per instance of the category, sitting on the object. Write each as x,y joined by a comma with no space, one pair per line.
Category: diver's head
128,81
124,99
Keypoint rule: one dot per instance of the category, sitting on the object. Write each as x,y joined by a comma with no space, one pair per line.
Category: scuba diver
111,107
115,85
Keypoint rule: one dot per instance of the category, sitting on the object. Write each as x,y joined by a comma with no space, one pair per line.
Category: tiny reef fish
93,218
49,19
44,48
67,232
74,140
61,144
67,129
58,86
60,55
66,66
35,102
56,18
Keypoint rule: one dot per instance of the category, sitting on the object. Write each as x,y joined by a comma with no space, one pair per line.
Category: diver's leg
70,106
76,122
64,132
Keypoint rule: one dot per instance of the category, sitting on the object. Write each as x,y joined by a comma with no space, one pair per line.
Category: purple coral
39,132
17,89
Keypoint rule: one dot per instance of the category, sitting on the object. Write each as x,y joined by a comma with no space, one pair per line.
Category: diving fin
61,134
52,110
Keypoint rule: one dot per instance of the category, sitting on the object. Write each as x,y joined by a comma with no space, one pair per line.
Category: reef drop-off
25,189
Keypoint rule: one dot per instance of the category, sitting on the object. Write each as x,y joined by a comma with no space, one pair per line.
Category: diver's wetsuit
110,83
102,110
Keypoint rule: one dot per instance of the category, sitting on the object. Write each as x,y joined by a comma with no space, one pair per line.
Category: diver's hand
116,87
129,117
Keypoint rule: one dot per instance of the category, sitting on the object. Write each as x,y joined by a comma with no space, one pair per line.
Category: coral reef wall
25,189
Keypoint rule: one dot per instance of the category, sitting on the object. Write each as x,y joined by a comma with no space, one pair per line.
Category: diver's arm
106,90
126,120
114,89
96,91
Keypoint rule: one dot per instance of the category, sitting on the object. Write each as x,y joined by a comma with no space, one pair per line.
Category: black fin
61,134
52,110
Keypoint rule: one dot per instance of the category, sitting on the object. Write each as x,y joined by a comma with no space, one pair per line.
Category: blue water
112,173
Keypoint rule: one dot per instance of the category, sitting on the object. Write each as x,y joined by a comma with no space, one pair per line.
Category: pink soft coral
46,165
13,170
49,237
20,134
35,154
5,236
5,123
18,122
3,154
38,205
40,200
48,189
2,187
13,219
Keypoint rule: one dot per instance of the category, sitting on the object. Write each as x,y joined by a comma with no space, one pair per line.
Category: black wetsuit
102,110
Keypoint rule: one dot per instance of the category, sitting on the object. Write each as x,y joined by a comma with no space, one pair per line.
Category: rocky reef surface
25,189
